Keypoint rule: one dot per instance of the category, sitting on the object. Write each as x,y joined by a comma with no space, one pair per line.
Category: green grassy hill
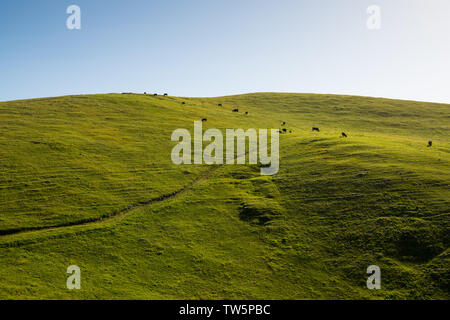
88,180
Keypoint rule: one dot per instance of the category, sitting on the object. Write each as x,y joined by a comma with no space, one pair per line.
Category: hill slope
88,180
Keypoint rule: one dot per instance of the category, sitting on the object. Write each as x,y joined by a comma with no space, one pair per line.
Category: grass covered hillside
89,181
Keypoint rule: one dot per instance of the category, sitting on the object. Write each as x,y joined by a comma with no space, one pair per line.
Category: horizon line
230,95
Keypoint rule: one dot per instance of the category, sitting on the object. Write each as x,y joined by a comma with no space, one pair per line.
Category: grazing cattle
284,123
236,110
183,102
155,94
290,131
284,130
344,135
430,143
145,92
220,105
315,129
204,119
165,94
246,113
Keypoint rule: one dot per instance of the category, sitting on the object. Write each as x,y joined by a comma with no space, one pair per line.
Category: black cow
284,130
183,102
344,135
155,94
204,119
315,129
165,94
246,113
236,110
220,105
430,143
284,123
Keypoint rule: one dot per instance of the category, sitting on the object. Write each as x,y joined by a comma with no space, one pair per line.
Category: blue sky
222,47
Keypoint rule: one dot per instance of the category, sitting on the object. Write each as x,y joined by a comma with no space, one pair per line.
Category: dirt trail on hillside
115,215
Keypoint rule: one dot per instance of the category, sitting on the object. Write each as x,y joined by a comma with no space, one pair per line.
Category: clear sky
222,47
